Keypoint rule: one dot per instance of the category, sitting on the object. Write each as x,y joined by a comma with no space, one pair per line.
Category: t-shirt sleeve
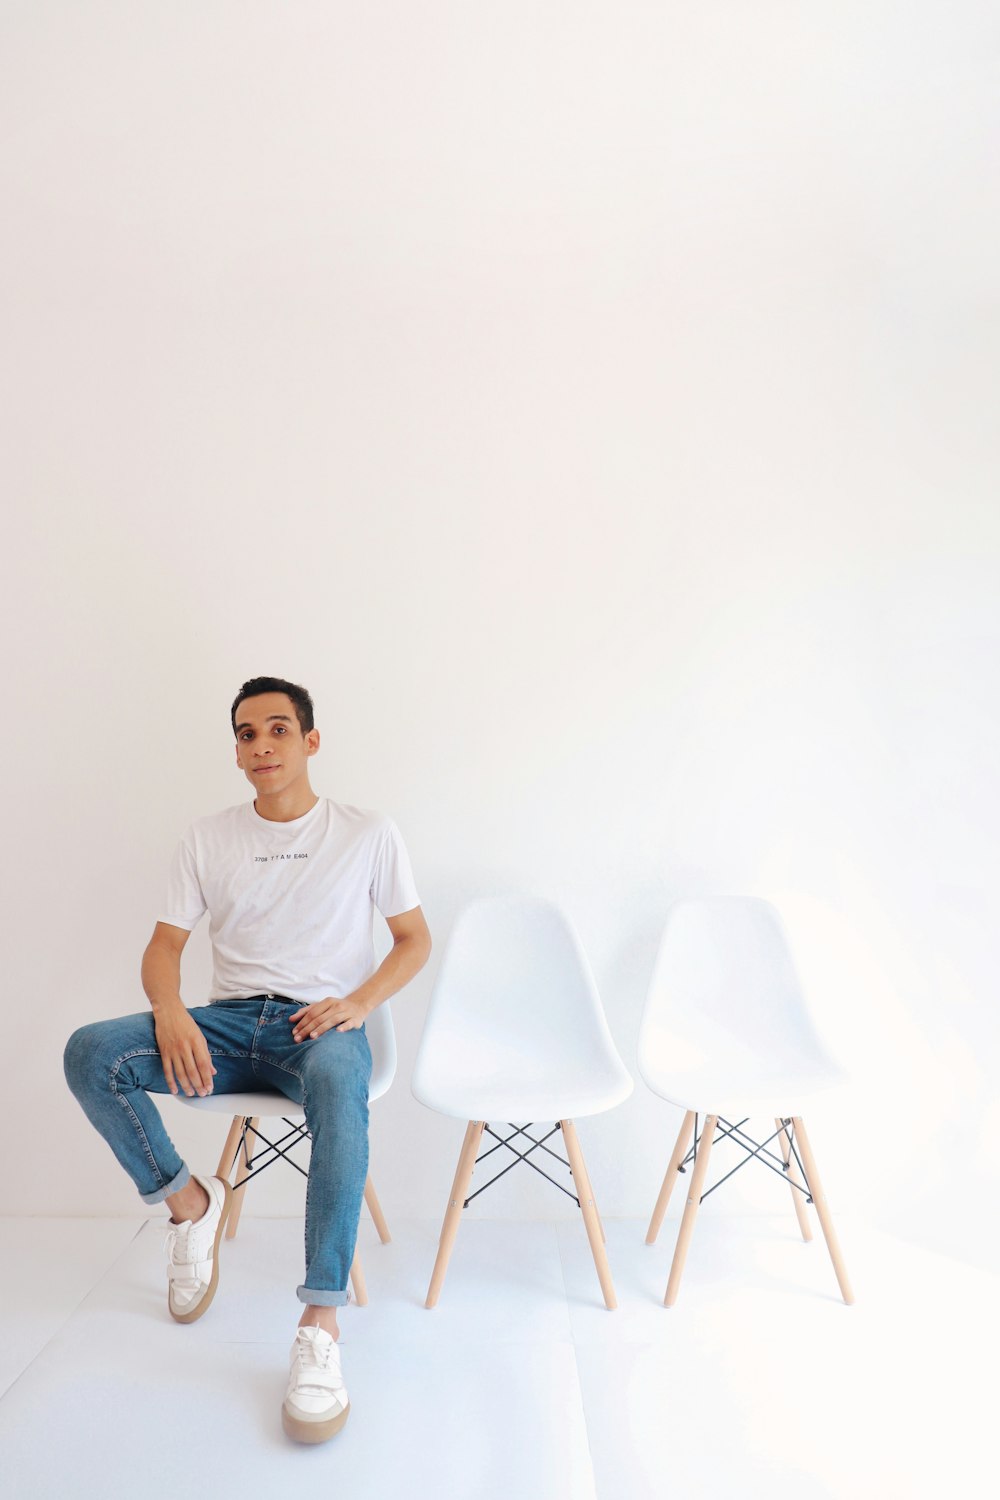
393,888
184,902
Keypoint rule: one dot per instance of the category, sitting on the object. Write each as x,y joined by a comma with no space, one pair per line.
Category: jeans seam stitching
137,1124
281,1067
128,1056
134,1118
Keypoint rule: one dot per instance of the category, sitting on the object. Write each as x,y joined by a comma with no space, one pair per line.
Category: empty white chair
726,1034
515,1032
250,1151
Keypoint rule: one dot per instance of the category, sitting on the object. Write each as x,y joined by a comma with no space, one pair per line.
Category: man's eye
246,736
279,728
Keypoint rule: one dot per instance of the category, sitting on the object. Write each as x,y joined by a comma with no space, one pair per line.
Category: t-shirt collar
293,825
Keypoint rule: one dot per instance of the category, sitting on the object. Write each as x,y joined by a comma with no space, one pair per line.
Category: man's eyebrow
285,719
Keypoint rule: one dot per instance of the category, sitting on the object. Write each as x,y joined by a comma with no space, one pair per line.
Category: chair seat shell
726,1029
268,1102
515,1029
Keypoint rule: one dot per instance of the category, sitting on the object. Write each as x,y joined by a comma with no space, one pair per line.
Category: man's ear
312,741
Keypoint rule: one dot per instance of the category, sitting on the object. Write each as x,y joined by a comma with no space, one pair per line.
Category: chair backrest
513,956
381,1036
515,978
724,984
515,1026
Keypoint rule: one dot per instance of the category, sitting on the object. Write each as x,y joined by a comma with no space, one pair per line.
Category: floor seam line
576,1362
72,1314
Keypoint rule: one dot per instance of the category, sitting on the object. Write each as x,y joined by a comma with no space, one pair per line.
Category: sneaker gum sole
200,1307
313,1432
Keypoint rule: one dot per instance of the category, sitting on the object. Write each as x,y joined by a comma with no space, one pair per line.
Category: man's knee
335,1075
84,1054
94,1051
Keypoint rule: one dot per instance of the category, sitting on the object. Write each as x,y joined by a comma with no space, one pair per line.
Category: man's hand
184,1052
328,1015
411,943
183,1048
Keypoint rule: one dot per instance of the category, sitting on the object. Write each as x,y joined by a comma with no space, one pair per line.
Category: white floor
760,1382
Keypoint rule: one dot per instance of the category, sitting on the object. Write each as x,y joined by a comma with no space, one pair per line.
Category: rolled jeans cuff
180,1181
321,1298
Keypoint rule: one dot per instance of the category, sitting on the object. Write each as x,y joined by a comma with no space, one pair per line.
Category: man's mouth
263,770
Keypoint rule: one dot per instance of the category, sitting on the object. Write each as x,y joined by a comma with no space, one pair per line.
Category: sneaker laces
180,1244
316,1359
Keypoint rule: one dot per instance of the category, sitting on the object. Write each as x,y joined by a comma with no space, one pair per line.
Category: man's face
271,749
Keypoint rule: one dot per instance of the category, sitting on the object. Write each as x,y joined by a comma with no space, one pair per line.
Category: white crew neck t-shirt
290,905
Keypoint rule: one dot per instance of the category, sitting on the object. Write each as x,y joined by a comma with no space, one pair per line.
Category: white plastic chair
726,1033
515,1031
250,1152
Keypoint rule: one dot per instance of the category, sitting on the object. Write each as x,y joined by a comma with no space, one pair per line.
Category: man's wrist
166,1005
366,1002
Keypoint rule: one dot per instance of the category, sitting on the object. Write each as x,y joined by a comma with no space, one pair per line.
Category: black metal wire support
258,1161
789,1130
724,1136
536,1145
756,1151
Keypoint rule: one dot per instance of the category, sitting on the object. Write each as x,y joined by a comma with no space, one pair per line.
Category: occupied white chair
726,1034
249,1151
515,1031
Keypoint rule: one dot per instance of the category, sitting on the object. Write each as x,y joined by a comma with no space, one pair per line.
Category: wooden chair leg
375,1209
228,1156
239,1191
822,1212
794,1175
453,1214
677,1156
590,1215
690,1210
597,1211
358,1280
587,1187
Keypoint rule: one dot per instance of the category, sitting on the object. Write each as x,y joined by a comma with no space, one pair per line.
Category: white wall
594,405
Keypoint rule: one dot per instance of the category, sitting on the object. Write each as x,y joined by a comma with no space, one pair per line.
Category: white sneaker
193,1254
316,1404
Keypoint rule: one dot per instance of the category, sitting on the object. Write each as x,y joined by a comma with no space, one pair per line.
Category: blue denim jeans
113,1066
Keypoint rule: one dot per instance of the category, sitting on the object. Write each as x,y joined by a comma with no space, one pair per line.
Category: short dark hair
299,696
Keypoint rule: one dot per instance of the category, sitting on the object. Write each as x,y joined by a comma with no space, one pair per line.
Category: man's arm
411,947
183,1048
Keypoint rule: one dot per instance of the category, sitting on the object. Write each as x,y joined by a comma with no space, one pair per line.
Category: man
290,882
